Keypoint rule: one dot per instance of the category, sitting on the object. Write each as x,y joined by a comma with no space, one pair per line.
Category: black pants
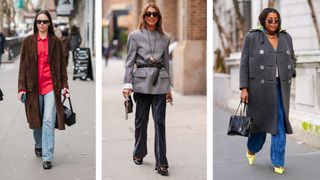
158,105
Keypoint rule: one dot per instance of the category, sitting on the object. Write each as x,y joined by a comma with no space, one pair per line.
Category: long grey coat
139,50
258,74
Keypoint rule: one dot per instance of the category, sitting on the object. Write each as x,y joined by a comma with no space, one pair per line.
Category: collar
39,39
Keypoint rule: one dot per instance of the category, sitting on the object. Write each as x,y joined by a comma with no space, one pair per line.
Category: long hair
263,16
142,22
50,28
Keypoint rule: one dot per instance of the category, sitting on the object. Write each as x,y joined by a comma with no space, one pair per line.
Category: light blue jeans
278,141
44,137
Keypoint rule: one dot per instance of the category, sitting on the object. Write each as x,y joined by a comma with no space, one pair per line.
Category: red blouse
44,75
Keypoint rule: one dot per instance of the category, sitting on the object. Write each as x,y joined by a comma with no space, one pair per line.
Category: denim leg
159,116
143,103
278,141
37,133
256,141
49,119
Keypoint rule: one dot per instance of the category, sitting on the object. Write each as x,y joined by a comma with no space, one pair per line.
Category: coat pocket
140,74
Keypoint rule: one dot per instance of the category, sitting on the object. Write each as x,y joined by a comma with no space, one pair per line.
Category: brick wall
197,20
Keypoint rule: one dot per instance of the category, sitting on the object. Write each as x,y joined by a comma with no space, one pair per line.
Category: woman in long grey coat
267,67
147,75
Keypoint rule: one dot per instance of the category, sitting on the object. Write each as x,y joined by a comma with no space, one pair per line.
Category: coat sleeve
63,67
244,63
293,56
166,60
22,68
130,61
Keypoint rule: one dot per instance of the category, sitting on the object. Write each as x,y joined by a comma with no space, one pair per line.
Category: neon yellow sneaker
279,170
250,158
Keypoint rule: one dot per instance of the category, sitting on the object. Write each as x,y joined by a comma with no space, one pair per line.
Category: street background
185,130
74,156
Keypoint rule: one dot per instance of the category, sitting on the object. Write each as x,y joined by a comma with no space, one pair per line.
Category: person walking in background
267,67
41,82
2,44
75,38
66,45
148,51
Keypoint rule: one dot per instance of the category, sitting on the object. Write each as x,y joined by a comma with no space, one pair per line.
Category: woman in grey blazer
147,75
267,67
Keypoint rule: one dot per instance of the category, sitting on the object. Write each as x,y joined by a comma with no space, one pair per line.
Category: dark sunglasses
273,21
154,14
42,21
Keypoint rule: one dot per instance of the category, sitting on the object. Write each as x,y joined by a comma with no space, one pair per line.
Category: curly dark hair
263,16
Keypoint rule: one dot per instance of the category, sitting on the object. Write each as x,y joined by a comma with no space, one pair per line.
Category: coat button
261,51
262,81
288,52
262,67
289,66
289,81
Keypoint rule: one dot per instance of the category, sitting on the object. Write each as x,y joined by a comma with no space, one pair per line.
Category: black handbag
1,95
69,115
128,105
240,124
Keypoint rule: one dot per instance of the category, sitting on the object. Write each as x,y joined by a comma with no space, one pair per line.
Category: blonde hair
142,22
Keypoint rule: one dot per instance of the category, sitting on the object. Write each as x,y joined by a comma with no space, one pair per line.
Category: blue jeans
278,141
44,137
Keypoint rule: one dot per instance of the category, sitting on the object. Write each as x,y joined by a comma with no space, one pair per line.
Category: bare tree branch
315,21
240,24
271,3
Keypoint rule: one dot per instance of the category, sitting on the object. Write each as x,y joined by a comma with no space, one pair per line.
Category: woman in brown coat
42,80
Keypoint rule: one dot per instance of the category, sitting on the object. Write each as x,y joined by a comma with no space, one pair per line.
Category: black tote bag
240,124
69,115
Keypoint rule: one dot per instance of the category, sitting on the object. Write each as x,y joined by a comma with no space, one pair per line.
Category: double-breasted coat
28,78
258,64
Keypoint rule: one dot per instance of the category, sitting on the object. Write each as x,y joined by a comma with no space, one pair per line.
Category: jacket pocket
164,74
140,74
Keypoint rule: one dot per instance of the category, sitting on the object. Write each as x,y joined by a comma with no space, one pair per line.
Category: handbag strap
70,104
243,110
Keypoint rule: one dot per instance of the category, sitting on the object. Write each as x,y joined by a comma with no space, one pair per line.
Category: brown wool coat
28,78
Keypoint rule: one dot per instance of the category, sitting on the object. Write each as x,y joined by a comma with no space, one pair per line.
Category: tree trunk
314,20
271,3
240,24
223,35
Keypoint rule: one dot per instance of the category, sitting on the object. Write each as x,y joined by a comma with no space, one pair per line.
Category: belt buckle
152,60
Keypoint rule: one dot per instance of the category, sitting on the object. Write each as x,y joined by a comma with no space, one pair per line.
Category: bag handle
70,104
243,110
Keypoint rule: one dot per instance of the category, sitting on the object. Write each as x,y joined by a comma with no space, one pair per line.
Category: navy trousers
278,141
158,105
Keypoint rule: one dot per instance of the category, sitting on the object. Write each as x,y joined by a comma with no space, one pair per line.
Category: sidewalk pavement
185,128
230,163
74,157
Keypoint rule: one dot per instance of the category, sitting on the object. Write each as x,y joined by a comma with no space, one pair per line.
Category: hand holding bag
240,124
69,115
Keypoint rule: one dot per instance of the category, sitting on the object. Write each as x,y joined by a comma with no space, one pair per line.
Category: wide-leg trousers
157,102
278,141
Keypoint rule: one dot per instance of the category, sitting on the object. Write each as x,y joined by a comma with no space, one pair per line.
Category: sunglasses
43,21
154,14
273,21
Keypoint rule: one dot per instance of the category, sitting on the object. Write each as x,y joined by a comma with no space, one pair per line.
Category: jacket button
288,52
262,81
289,81
289,66
261,51
262,67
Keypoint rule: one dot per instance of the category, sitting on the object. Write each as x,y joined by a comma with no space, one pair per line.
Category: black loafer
38,152
137,161
163,170
47,165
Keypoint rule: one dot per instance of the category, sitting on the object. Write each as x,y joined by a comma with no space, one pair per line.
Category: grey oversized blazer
258,74
138,47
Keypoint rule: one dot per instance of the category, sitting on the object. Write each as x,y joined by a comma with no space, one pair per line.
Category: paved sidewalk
230,163
74,157
186,135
